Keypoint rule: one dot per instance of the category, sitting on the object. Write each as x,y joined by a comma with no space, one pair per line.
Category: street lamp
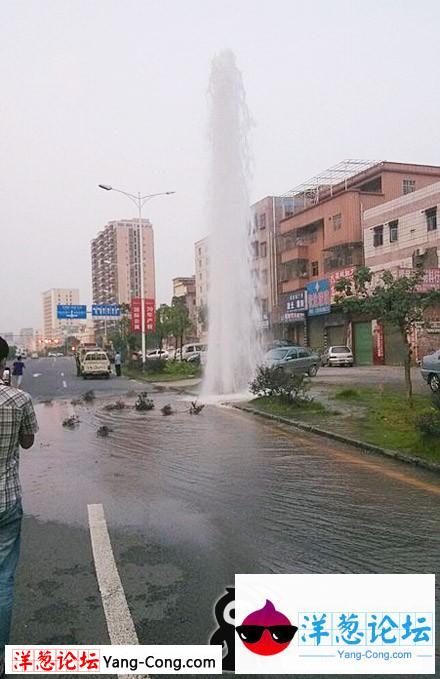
139,201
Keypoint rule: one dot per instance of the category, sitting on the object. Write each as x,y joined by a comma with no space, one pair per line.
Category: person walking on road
17,372
18,426
118,363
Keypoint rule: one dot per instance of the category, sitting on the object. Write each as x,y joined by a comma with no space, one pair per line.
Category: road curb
362,445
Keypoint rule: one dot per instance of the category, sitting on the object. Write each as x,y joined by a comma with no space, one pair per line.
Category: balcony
295,252
293,284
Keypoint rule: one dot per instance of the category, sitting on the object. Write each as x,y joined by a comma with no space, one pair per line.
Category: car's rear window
277,353
96,357
340,350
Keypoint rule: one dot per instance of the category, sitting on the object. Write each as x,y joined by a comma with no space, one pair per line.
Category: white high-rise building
116,266
54,328
202,284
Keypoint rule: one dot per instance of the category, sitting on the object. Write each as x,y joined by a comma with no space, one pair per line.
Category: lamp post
139,201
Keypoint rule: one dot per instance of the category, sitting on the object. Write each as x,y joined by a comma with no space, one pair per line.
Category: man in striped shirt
18,426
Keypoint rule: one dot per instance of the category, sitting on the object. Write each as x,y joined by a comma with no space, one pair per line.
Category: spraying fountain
233,343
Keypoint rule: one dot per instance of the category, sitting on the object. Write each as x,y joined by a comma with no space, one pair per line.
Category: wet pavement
50,378
192,500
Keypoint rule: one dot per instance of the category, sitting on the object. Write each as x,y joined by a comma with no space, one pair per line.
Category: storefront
294,317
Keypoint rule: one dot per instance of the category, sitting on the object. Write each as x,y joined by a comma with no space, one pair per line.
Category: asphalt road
55,378
189,502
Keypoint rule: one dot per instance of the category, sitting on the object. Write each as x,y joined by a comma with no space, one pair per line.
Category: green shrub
155,365
143,402
428,423
436,399
274,381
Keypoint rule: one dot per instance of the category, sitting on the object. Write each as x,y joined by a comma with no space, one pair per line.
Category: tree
164,323
202,317
180,321
121,336
396,300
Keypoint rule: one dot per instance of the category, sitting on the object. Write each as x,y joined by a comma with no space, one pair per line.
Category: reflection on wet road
190,501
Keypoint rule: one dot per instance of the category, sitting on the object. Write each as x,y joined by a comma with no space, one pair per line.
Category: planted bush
274,381
143,402
428,423
155,365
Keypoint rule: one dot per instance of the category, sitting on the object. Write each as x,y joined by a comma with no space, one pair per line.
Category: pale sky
114,91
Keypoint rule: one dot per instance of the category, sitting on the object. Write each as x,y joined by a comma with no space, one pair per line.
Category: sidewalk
380,375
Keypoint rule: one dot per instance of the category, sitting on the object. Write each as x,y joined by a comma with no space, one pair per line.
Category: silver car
338,355
294,359
430,370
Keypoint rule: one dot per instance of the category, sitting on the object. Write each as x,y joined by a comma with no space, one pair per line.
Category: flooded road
192,500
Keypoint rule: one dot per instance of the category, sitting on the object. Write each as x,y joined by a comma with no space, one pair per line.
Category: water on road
192,500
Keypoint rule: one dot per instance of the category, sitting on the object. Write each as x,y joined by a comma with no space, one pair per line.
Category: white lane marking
36,374
120,624
64,384
62,374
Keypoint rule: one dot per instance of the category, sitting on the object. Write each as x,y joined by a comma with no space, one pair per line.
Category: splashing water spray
234,346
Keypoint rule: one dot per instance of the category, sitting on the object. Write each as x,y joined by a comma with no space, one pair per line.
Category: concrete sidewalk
377,375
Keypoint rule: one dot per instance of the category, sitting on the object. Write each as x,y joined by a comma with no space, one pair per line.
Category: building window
408,186
255,248
263,249
394,231
264,277
431,219
337,222
315,268
378,236
264,307
263,221
256,221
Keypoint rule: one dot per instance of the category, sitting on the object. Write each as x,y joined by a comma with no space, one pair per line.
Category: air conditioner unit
420,252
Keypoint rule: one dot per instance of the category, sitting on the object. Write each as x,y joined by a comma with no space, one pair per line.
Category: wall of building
413,235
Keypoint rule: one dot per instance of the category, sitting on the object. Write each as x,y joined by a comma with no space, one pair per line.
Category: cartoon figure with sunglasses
266,631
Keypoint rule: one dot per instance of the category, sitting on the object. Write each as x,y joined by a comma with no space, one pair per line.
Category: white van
191,351
95,363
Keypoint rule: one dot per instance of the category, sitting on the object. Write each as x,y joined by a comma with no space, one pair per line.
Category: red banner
378,343
136,315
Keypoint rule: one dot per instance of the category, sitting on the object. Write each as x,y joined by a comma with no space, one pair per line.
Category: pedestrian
118,362
18,426
17,372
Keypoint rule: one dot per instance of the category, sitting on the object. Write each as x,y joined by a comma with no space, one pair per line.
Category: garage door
335,335
363,344
394,346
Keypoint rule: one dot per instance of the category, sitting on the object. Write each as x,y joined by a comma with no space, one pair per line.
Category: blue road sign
318,297
71,311
106,310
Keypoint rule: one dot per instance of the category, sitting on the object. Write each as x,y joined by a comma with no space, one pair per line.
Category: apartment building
116,265
266,215
323,240
185,288
54,329
201,258
399,236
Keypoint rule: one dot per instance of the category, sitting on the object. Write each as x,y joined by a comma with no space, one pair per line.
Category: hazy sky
114,91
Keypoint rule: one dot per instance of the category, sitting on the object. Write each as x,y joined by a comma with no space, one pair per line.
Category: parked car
189,351
430,370
158,354
51,354
338,355
96,363
295,359
34,354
